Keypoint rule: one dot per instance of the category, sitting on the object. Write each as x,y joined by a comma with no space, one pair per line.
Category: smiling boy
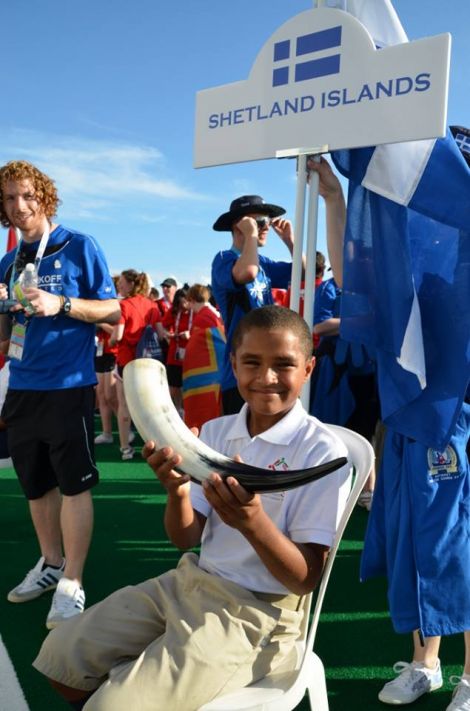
227,617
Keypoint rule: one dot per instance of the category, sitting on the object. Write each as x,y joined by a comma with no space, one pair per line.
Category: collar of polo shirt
280,433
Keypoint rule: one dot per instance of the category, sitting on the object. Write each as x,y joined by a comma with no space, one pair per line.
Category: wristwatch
66,305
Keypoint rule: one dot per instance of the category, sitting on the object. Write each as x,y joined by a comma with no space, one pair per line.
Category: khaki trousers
172,642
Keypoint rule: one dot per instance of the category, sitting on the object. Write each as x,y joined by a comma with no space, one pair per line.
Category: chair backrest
286,687
361,458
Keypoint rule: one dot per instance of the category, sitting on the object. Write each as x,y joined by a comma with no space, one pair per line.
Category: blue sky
101,95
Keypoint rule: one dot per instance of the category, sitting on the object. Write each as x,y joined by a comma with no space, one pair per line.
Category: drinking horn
156,418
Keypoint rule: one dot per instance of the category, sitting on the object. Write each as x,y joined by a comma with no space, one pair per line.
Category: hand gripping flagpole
311,249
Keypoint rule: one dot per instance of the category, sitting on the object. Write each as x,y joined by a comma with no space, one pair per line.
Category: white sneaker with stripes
413,681
68,600
461,696
41,578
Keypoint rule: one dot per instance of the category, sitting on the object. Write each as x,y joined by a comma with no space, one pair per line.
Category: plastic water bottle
27,279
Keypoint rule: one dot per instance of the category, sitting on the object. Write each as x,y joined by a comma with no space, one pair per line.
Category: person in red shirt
164,304
137,311
177,324
202,398
105,362
169,287
319,272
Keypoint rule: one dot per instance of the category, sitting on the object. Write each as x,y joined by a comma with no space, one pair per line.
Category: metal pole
296,277
311,261
312,222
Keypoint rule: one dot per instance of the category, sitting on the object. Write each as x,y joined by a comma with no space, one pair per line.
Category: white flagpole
296,277
311,262
311,255
312,226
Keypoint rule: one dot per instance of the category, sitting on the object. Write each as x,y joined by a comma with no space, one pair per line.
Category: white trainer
38,580
68,600
413,681
461,696
104,438
127,453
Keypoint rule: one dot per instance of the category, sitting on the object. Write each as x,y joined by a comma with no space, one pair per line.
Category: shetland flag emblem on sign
308,65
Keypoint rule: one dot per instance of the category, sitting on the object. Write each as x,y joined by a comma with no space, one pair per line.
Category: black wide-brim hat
244,206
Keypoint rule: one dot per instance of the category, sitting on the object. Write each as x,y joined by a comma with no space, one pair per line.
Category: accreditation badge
18,334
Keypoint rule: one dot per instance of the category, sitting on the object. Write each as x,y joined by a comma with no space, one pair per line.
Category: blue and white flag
406,289
378,16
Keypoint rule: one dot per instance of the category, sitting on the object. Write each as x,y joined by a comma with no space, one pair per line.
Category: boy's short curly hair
44,188
274,317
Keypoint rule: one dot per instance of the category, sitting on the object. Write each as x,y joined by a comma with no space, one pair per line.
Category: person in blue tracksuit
418,535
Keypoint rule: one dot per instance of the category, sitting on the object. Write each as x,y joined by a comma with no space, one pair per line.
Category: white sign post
319,80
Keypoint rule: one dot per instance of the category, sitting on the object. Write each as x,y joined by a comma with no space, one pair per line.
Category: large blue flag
406,289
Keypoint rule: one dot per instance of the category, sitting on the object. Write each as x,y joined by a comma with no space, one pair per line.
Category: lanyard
177,323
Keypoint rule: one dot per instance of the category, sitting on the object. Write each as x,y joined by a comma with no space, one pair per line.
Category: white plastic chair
285,688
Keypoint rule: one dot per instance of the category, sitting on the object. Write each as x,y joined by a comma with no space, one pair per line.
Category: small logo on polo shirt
280,465
57,264
442,465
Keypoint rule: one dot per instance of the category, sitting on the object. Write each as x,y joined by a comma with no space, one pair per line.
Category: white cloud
95,177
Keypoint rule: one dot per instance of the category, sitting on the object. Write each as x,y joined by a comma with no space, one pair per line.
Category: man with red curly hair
50,401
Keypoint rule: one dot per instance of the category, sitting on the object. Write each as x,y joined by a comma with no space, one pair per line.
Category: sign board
319,80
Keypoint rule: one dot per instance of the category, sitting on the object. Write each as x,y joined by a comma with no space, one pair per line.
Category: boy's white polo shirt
306,514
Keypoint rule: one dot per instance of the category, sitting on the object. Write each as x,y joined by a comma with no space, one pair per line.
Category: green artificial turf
355,639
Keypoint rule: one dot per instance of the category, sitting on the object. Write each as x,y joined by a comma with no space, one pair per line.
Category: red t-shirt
176,324
207,317
136,313
279,296
163,305
103,341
